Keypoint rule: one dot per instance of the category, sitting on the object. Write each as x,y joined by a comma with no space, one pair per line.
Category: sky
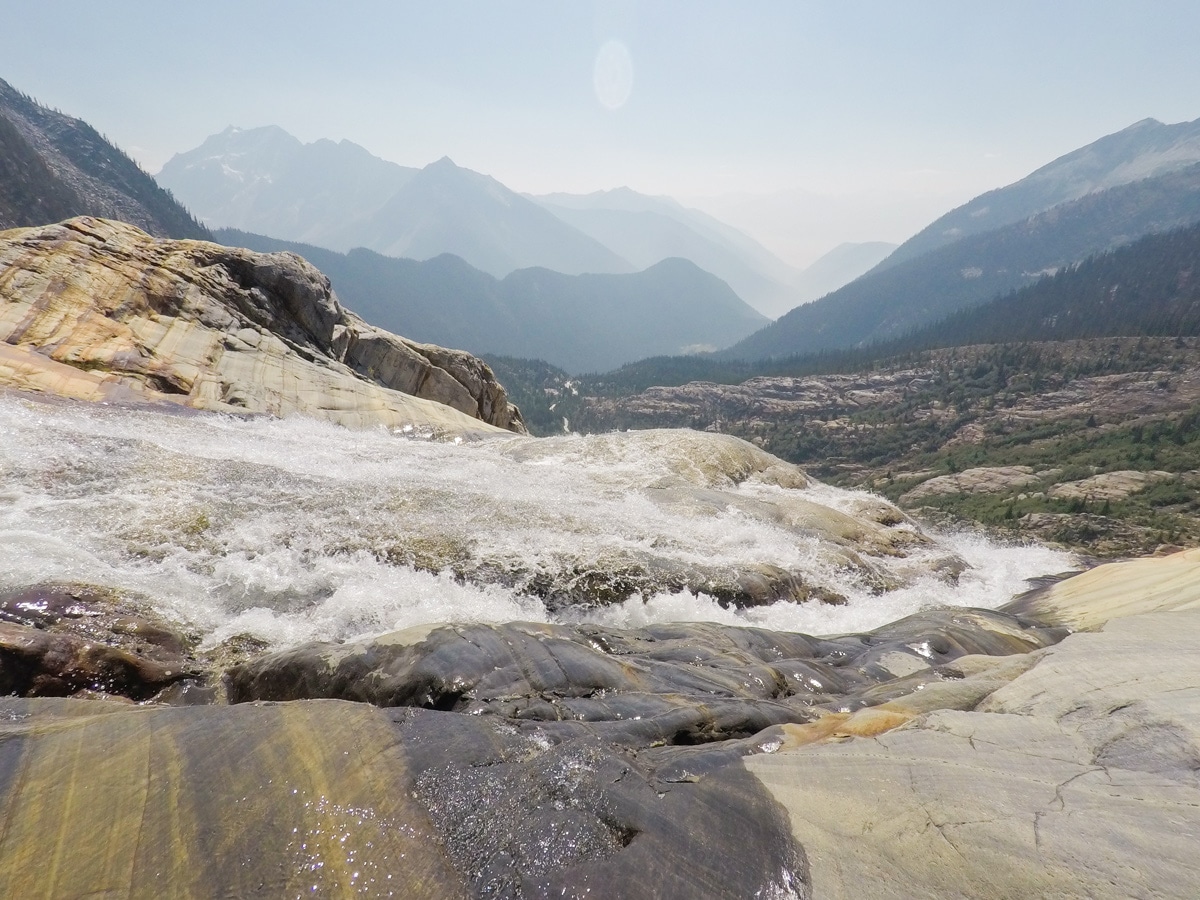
804,122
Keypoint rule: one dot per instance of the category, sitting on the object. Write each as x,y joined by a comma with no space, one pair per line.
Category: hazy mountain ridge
266,180
1143,150
340,196
890,301
448,209
840,266
589,322
53,166
645,229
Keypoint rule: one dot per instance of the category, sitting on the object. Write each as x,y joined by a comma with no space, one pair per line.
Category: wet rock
1075,779
706,477
1068,772
337,799
958,753
61,640
688,684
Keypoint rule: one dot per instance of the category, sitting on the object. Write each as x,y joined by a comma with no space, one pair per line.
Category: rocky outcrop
956,753
98,310
981,480
1108,485
1073,775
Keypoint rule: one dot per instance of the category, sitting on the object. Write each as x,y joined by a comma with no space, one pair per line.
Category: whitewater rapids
294,530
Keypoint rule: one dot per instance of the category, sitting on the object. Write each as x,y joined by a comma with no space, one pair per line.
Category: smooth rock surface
682,684
1087,601
675,761
98,310
1108,485
102,800
1075,778
332,799
982,480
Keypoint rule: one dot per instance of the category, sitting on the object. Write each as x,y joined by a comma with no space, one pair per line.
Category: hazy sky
880,113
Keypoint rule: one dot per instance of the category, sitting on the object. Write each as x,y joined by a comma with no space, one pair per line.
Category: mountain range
594,281
53,167
338,196
580,323
644,230
935,273
1143,150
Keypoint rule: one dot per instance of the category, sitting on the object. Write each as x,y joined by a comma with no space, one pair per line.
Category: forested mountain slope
582,323
53,166
888,303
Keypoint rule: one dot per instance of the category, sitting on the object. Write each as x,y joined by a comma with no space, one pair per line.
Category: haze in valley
807,125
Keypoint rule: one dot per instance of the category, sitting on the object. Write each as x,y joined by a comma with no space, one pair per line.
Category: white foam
296,530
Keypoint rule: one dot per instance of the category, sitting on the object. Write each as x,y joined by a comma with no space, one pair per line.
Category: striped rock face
335,799
98,310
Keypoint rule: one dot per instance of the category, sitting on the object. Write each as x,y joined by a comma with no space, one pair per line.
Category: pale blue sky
921,102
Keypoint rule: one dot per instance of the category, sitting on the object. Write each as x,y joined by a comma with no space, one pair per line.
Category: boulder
982,480
97,310
62,640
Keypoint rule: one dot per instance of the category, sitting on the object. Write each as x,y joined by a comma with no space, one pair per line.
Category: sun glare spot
612,75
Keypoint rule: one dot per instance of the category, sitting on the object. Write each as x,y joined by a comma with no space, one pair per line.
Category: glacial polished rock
1070,772
332,799
1108,486
1116,590
97,310
686,683
955,753
982,480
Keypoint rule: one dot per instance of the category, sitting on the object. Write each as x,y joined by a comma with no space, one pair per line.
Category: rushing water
296,530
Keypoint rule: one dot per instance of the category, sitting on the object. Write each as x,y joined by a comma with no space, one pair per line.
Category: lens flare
612,75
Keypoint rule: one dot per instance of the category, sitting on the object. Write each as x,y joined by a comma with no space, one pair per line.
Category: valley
382,530
933,431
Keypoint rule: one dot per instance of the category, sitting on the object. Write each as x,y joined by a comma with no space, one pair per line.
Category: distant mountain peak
1145,149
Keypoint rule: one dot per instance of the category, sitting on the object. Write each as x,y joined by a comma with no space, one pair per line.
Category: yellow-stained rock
107,800
1085,602
97,310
